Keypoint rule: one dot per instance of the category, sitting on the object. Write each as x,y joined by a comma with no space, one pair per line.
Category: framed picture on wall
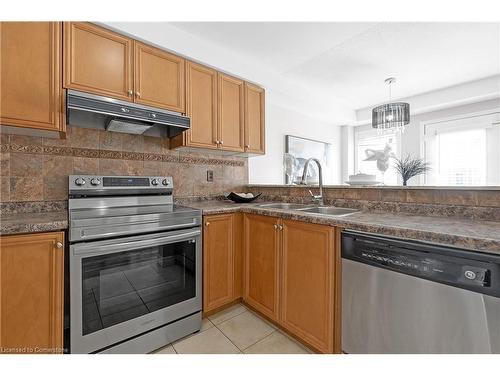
298,150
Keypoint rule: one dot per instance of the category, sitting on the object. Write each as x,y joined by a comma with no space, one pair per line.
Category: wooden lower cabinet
222,260
261,248
31,293
307,282
292,276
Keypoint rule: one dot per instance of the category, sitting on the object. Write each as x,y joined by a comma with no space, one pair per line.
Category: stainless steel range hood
100,112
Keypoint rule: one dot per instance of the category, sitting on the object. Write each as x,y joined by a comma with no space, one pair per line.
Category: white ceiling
349,61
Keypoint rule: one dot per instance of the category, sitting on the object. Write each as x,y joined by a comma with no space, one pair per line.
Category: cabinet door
307,298
97,60
231,113
261,246
159,78
31,291
30,67
238,256
254,119
201,84
218,261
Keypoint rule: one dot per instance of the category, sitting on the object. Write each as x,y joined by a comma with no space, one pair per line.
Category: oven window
122,286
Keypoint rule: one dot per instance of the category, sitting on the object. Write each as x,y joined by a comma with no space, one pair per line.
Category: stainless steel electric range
135,265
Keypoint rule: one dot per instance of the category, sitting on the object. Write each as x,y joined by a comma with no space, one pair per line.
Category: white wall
410,139
268,168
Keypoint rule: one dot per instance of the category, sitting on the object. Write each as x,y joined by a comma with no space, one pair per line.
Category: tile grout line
242,350
228,318
255,343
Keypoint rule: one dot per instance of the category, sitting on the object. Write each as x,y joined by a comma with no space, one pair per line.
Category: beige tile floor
236,330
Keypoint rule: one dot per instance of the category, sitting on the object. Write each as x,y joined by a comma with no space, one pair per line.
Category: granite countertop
29,222
468,234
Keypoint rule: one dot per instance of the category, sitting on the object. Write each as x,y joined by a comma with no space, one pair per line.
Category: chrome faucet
318,198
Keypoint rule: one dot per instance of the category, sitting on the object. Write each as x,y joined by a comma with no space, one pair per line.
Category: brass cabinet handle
207,224
138,94
130,92
275,226
59,245
220,142
280,227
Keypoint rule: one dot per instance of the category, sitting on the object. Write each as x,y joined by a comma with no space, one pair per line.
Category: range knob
95,181
165,182
80,181
152,115
154,182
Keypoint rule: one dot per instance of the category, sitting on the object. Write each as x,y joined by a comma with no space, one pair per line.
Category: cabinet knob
59,245
220,142
275,226
138,94
216,142
280,227
130,92
207,224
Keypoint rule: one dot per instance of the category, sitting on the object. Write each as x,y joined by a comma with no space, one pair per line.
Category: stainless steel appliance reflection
135,265
402,296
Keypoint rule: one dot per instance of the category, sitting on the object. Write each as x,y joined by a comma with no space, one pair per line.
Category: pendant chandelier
391,116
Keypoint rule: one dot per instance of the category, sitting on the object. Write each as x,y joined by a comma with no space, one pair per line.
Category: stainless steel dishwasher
402,296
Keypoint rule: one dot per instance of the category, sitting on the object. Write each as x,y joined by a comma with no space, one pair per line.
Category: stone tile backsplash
36,169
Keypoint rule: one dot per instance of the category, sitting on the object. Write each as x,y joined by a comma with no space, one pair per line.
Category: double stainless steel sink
322,210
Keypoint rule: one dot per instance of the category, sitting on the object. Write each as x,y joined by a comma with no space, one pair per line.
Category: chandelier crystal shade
391,116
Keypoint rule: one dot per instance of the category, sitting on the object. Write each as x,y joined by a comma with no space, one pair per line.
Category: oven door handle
119,246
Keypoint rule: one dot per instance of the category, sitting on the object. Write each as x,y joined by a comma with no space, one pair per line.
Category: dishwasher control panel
424,265
461,268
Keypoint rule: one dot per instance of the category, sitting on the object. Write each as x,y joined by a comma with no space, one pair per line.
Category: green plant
409,167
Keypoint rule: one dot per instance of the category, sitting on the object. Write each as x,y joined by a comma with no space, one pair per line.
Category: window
366,144
463,152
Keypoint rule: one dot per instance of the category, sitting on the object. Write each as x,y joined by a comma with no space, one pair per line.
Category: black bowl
236,198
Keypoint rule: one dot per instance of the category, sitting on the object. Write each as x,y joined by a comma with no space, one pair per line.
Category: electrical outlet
210,176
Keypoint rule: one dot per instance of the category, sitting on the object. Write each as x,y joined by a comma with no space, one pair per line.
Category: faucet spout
318,198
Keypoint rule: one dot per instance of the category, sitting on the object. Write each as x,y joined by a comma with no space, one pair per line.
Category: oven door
124,287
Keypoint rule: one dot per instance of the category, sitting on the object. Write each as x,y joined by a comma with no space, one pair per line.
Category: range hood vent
100,112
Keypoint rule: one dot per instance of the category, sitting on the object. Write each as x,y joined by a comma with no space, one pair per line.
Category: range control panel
92,184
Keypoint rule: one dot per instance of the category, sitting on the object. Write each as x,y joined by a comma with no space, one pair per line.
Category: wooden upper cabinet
218,261
261,249
31,291
254,119
231,103
308,272
159,78
98,61
201,89
30,70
